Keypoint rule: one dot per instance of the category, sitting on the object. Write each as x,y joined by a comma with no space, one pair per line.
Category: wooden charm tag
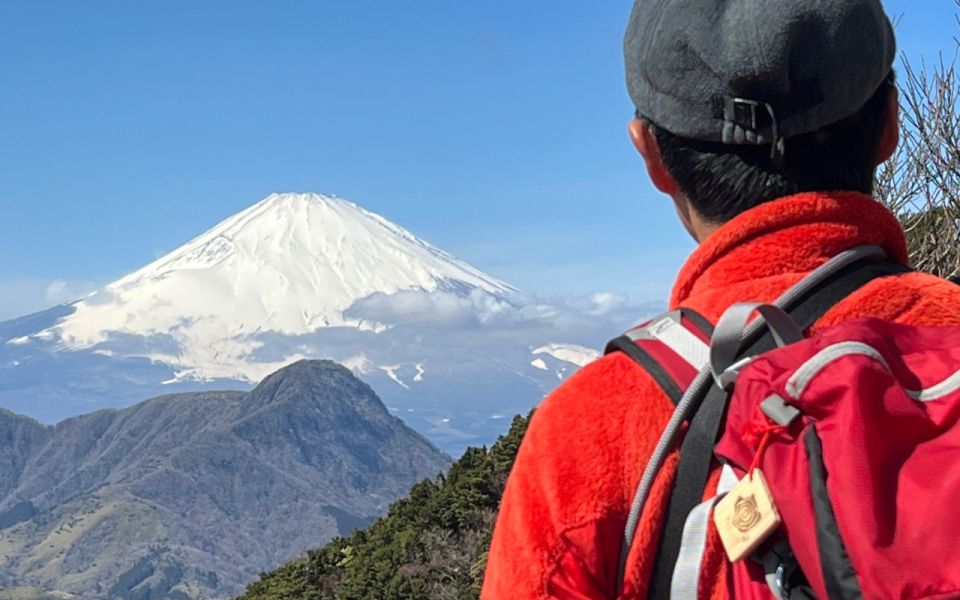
746,516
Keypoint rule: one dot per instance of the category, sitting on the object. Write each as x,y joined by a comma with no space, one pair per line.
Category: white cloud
57,291
595,313
446,327
606,302
358,363
431,308
19,297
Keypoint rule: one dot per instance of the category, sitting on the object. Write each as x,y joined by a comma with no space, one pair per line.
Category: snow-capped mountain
449,348
291,264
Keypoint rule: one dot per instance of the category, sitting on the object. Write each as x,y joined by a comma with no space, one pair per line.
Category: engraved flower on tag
746,513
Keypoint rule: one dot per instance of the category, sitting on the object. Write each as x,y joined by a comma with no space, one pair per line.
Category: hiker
764,122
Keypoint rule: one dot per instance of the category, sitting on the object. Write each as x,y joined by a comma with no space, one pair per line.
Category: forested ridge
431,544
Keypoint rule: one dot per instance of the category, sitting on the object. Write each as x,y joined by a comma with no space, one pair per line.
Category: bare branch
921,182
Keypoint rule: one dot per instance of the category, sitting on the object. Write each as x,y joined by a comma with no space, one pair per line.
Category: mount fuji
291,264
450,349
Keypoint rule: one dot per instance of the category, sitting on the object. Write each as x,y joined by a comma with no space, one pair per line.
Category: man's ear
646,144
891,127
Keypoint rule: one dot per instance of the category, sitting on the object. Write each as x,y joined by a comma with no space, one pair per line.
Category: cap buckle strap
743,113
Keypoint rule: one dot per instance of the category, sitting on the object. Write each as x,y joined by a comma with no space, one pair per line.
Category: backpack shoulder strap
672,348
861,257
696,450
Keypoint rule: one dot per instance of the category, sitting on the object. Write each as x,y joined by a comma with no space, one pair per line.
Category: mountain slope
431,544
451,350
291,264
191,495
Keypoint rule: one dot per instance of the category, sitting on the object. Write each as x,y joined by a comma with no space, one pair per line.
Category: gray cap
754,71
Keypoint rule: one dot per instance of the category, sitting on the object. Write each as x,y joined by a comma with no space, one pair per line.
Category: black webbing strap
634,350
696,451
642,357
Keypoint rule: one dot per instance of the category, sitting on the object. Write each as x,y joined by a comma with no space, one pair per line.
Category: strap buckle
747,114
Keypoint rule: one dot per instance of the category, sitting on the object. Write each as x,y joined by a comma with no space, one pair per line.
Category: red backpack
838,450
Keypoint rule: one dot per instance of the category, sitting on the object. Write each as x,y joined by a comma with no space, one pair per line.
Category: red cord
759,435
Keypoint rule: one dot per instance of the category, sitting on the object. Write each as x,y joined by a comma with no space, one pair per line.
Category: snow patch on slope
391,371
571,353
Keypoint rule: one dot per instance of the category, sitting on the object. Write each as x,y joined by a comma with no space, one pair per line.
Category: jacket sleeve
562,515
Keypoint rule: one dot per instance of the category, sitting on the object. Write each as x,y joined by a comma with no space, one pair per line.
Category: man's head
743,101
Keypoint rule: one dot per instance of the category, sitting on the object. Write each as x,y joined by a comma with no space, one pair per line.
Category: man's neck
700,228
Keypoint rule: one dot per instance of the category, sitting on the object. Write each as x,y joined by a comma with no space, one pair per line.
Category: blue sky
495,130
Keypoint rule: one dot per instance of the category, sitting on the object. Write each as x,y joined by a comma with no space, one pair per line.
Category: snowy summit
291,264
448,348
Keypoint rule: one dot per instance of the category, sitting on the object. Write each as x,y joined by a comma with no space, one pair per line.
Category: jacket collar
795,234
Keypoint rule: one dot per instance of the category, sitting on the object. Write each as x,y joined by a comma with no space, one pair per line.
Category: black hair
722,181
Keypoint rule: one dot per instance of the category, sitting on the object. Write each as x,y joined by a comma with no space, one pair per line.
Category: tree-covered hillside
431,544
191,495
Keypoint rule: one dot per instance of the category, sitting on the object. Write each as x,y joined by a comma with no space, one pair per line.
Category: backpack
837,476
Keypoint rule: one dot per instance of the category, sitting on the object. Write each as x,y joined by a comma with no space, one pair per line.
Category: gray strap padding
669,330
812,367
729,333
682,341
809,370
686,576
947,386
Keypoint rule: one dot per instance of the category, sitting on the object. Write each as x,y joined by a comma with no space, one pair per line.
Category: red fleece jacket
563,512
